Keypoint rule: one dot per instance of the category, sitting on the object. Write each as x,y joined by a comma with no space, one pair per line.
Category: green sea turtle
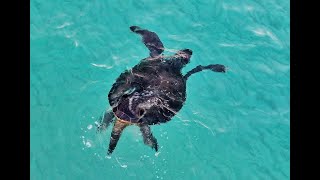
150,93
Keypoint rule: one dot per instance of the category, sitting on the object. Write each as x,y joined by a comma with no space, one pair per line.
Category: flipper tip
218,68
134,28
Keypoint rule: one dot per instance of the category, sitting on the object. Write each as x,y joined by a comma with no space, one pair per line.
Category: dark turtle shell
151,92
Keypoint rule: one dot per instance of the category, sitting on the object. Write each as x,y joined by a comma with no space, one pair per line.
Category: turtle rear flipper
148,138
118,127
150,39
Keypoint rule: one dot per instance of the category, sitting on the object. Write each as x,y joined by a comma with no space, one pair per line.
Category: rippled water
232,126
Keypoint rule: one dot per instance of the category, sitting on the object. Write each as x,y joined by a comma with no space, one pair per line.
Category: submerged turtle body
152,92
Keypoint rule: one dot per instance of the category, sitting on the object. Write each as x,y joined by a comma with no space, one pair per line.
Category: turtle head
134,28
184,56
186,51
181,58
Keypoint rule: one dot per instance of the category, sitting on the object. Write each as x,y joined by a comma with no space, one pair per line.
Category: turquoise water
232,126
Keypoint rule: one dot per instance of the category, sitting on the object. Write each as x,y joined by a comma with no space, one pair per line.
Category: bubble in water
157,154
108,157
76,43
88,144
122,165
89,127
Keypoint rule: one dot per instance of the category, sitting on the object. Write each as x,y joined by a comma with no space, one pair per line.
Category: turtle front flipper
118,127
213,67
150,39
148,138
105,121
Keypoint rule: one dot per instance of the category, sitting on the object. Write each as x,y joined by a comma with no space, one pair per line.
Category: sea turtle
150,93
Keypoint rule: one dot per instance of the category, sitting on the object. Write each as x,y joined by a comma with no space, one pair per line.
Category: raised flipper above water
105,120
148,138
213,67
150,39
118,127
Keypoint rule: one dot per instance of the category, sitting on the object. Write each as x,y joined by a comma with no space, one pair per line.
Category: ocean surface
233,126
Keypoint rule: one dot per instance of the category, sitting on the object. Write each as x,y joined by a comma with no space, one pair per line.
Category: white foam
180,38
202,124
185,120
236,45
102,65
237,8
227,45
265,32
64,25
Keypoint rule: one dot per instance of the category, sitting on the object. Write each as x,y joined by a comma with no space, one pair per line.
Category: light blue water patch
233,126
